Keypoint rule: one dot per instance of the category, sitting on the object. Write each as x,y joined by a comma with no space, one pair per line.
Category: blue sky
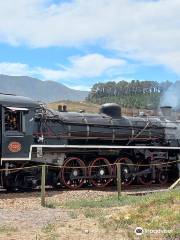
80,42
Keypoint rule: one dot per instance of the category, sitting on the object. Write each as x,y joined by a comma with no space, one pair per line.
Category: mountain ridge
47,91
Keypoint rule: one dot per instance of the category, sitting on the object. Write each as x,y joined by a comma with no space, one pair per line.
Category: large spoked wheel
146,176
100,172
162,176
73,173
127,170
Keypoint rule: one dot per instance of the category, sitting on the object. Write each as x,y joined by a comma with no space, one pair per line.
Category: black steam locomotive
82,148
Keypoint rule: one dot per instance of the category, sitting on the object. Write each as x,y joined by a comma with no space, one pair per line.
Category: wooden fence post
118,167
43,182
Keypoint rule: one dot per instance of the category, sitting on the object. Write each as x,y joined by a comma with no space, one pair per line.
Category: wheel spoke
127,170
162,177
73,173
100,172
146,178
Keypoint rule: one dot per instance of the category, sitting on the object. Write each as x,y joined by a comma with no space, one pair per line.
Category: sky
80,42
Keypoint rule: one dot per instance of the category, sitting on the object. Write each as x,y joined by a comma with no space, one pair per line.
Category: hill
89,107
47,91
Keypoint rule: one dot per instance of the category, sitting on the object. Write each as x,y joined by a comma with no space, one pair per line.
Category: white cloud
144,30
79,87
14,69
171,60
88,66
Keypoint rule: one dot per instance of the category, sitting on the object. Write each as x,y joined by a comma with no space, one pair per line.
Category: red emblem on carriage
14,147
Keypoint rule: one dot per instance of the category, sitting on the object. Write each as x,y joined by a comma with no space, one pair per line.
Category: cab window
13,120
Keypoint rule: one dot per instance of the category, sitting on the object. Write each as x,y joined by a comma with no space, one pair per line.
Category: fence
118,175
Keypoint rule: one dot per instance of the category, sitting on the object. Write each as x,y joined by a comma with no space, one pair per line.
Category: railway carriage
83,148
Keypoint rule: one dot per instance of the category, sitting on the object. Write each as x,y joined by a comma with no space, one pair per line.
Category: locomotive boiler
82,148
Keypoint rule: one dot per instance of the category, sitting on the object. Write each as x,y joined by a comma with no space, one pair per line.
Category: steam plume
172,96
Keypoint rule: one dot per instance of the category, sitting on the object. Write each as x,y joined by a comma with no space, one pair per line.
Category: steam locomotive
82,148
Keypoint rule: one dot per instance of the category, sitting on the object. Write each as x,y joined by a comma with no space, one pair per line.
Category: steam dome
111,109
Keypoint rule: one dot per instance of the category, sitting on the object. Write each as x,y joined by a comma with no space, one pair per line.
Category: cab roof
10,100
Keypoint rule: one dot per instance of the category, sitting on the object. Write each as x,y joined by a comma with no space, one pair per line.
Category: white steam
172,96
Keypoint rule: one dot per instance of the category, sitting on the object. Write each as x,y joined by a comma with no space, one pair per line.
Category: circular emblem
14,147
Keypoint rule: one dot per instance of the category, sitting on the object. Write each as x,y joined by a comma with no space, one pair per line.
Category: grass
48,228
7,229
154,212
51,204
92,213
113,201
50,232
100,203
72,215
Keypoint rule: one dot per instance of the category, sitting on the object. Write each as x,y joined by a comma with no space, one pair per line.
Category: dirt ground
22,217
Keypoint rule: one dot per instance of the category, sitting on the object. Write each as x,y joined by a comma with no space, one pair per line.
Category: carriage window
13,120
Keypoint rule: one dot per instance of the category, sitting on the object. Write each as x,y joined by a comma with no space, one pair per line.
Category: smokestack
166,111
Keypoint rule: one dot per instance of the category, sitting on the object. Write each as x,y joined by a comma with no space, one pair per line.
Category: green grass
51,204
4,229
48,228
158,211
72,215
50,232
112,201
92,213
100,203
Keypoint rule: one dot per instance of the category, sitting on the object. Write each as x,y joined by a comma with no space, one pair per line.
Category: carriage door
15,138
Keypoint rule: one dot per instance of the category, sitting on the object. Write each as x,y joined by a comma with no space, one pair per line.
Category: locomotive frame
83,148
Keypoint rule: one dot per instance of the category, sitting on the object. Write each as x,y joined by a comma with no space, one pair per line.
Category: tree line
137,94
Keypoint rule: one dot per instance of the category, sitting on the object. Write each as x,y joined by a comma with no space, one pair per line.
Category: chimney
166,111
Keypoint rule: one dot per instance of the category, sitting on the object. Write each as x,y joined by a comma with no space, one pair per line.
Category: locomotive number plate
14,147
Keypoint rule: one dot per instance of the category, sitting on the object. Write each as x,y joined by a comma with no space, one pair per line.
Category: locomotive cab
17,114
